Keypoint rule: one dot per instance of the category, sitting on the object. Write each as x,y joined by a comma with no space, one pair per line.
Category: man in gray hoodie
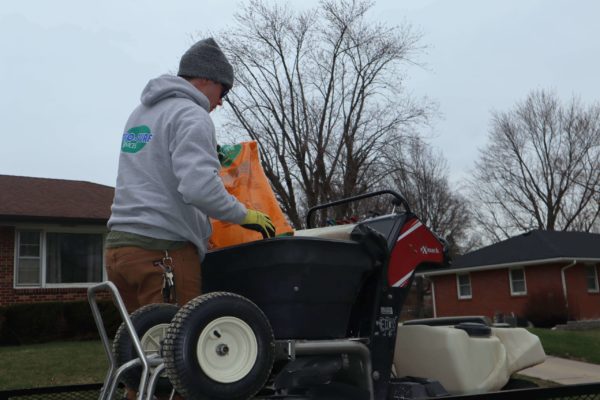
168,184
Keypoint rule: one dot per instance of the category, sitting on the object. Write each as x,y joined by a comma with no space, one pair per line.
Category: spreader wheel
219,346
151,323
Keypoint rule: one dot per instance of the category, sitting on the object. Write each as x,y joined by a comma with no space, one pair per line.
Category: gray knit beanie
206,60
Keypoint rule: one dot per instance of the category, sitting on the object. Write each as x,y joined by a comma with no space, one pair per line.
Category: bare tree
321,92
422,178
541,169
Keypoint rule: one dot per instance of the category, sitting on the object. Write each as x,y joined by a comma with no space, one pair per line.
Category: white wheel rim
152,340
227,349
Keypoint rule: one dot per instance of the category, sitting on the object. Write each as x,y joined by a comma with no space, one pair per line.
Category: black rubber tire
180,348
143,320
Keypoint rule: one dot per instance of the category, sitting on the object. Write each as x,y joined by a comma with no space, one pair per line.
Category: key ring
167,260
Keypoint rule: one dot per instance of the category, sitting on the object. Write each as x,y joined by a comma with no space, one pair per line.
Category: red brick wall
491,292
9,295
7,246
582,304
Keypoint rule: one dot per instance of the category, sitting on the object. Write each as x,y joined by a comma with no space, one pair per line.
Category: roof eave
16,219
509,265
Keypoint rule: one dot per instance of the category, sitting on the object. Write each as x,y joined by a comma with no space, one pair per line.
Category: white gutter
433,298
564,280
446,271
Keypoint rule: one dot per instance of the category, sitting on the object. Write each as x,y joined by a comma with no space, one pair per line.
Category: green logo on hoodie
135,139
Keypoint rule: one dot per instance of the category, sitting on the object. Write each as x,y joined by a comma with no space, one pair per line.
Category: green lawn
52,364
577,345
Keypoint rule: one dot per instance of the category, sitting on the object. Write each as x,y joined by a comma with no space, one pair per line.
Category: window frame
43,230
595,269
458,285
18,257
510,280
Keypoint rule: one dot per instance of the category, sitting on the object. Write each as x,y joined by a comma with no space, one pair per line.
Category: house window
591,277
28,258
518,285
73,258
463,283
50,259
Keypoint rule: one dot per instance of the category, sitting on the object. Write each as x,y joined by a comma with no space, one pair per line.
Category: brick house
542,269
51,238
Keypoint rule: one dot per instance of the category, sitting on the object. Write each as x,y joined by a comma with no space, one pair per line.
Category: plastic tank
461,363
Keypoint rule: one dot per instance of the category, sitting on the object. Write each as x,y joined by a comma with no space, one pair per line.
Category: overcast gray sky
71,71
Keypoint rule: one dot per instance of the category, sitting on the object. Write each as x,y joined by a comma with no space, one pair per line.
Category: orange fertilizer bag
245,179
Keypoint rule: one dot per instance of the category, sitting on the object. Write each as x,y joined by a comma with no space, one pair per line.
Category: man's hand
260,222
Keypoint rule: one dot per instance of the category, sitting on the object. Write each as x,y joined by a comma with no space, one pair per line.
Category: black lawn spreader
310,316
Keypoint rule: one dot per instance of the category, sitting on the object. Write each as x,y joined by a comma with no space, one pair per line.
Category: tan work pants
140,282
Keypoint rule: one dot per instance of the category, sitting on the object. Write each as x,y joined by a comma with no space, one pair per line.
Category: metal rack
148,377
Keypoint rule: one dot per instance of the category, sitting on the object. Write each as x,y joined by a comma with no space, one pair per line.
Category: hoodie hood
168,86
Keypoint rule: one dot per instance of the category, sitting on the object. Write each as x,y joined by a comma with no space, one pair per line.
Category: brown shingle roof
51,199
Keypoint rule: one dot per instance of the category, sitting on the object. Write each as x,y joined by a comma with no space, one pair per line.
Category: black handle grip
398,200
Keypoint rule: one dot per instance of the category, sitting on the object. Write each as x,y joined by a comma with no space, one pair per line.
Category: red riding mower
309,316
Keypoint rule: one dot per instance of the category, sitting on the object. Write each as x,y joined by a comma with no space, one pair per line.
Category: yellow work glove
260,222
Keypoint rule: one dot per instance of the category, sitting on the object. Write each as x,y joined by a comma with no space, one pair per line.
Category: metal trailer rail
148,379
71,392
93,391
589,391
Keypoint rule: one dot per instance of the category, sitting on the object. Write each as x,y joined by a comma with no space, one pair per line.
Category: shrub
34,323
546,309
80,319
110,316
2,322
45,322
